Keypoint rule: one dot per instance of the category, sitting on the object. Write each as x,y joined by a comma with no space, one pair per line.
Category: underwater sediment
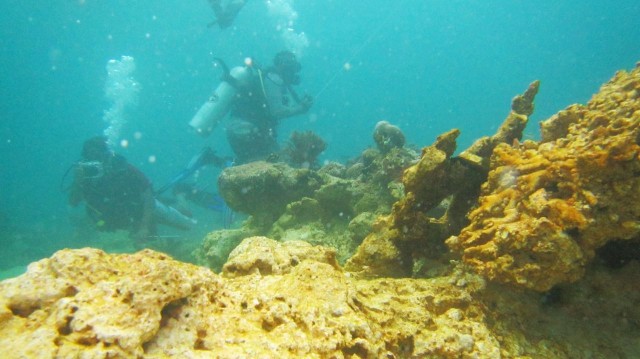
489,254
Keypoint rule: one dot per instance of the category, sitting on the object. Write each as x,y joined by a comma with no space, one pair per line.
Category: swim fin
206,157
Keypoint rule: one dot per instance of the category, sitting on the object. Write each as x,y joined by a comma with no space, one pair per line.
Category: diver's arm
75,193
75,196
280,107
303,105
297,109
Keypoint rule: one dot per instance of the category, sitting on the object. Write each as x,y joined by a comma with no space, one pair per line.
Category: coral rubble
548,206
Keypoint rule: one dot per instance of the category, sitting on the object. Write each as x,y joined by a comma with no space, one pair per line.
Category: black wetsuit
255,116
116,199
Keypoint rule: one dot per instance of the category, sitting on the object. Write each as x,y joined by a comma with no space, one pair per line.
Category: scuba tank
219,103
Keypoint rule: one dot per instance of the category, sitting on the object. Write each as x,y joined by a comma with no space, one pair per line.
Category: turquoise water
426,66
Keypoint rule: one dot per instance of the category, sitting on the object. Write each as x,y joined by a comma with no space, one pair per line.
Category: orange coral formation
548,206
411,232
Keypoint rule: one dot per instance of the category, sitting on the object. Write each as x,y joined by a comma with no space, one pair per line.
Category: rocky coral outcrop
388,136
147,305
264,256
416,229
334,205
263,189
85,303
547,206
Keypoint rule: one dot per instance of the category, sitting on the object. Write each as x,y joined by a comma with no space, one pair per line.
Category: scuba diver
118,195
225,11
256,99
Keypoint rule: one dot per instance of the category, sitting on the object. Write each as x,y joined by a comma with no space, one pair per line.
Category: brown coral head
304,148
388,136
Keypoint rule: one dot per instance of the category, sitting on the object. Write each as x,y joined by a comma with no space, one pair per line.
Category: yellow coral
545,209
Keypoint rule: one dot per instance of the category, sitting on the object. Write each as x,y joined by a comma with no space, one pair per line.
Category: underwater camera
90,169
84,169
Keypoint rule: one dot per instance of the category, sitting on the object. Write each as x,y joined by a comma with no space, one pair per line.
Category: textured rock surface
264,256
217,245
419,223
145,304
87,304
333,206
264,189
548,206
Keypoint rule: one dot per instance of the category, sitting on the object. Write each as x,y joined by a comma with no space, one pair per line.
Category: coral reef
303,149
334,205
548,206
383,168
537,215
274,303
416,230
292,300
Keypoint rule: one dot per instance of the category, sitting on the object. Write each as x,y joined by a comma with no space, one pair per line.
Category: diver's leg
170,216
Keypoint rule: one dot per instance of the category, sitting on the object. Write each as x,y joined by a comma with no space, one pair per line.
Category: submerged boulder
263,189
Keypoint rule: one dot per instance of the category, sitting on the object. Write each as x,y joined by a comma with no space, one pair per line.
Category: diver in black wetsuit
118,196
